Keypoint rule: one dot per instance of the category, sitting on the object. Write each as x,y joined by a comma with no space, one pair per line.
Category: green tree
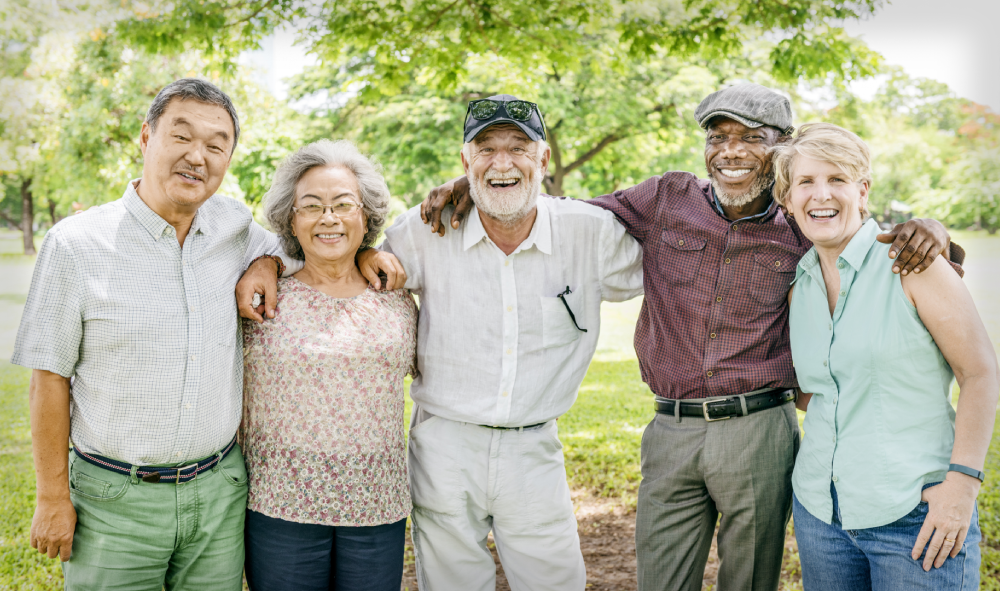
617,79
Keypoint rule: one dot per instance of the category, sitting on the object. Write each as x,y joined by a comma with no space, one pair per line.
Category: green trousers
136,535
693,471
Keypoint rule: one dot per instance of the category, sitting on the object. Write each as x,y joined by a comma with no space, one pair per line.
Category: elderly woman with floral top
323,412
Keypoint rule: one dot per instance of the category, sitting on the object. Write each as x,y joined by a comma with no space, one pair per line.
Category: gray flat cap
751,104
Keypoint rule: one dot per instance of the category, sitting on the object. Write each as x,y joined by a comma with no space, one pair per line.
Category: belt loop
133,476
743,404
218,461
520,429
677,410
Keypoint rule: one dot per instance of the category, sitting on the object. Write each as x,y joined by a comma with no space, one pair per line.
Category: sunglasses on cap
517,110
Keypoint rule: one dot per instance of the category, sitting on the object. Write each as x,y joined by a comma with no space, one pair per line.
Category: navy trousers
284,555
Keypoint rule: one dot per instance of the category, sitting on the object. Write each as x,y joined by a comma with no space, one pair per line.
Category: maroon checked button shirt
714,321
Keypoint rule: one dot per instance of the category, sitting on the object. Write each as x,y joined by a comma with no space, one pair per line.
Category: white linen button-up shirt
495,344
147,330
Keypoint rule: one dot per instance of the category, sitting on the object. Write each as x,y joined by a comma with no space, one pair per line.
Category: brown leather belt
720,409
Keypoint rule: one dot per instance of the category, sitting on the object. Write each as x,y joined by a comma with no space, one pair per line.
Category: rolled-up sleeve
621,263
51,329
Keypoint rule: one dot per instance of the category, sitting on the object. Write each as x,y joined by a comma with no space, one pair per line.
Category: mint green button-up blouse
880,424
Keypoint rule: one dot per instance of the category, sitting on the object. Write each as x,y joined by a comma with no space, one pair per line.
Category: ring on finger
949,540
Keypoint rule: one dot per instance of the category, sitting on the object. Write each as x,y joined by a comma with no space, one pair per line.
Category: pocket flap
776,260
682,241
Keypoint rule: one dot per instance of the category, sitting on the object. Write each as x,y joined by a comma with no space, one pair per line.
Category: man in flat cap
712,342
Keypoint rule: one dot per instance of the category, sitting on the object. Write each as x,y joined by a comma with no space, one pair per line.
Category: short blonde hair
825,142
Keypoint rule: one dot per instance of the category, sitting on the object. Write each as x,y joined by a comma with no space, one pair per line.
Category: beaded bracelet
281,264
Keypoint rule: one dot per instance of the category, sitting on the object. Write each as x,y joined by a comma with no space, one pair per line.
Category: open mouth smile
823,214
502,183
332,237
190,177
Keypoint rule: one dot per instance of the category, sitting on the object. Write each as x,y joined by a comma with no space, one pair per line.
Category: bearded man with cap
712,342
509,319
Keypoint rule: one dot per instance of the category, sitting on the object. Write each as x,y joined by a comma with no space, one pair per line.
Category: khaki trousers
694,470
466,480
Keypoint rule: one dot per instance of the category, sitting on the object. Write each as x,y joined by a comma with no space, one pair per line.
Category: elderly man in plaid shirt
712,342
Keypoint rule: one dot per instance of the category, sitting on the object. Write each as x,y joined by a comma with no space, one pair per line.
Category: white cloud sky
954,41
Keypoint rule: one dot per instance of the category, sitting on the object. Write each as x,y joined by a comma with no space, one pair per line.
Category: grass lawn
601,434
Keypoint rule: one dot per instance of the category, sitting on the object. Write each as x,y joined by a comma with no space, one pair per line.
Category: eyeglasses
518,110
562,298
314,211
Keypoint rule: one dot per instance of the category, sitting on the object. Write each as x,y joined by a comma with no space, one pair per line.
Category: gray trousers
694,470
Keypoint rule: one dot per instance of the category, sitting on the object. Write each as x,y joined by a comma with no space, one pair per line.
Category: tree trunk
27,217
554,180
52,213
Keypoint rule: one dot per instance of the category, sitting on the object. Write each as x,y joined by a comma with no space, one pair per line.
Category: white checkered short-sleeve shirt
148,331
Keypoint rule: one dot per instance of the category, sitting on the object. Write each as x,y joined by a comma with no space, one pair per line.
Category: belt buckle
181,469
704,411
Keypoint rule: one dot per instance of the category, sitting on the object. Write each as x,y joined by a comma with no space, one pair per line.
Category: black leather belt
514,428
721,409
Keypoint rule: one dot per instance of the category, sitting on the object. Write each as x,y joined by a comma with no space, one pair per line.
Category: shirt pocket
557,326
772,275
682,256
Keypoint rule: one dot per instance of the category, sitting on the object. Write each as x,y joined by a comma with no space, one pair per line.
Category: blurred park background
617,82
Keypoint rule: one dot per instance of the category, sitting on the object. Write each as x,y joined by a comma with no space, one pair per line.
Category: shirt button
506,263
842,292
178,454
509,351
835,400
187,405
728,261
829,326
680,243
709,374
777,263
191,309
192,358
835,479
510,308
736,226
824,363
711,336
718,299
840,265
505,394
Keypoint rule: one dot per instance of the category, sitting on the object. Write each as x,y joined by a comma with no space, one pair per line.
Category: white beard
507,207
759,186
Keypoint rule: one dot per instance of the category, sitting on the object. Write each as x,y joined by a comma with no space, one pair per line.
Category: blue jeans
878,558
284,555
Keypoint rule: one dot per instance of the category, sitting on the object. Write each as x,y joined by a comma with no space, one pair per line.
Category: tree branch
253,15
437,17
10,220
604,143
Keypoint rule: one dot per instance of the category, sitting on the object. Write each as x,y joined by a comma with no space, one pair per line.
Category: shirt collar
760,216
854,255
540,236
857,249
151,221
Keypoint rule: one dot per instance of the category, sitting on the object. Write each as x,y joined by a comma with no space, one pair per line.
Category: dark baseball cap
533,127
751,104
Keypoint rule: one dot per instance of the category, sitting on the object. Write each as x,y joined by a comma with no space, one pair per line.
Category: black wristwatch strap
967,471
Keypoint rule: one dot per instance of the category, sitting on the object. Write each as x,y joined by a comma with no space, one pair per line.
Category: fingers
461,210
925,534
959,541
435,219
244,301
270,297
901,236
935,547
399,275
370,273
66,550
915,255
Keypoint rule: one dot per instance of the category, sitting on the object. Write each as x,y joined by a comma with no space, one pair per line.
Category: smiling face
826,202
329,237
186,157
737,160
505,170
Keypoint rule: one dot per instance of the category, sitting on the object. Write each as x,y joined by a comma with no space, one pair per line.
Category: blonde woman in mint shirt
887,476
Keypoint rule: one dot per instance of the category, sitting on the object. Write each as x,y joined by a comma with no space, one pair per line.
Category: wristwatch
967,471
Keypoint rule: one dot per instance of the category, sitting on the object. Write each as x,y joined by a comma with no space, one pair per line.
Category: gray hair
195,89
281,196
